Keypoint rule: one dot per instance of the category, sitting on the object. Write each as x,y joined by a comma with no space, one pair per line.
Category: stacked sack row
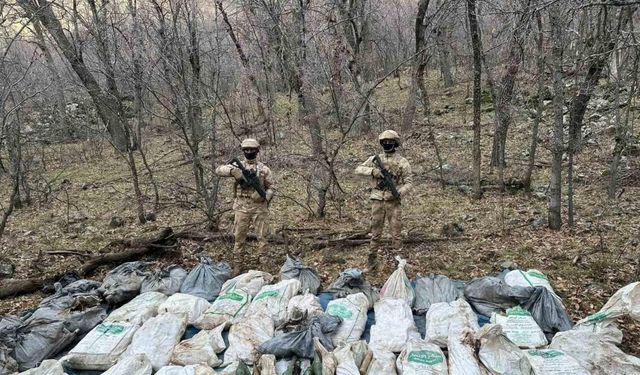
205,322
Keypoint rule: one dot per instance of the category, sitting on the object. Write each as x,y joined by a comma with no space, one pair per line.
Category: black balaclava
389,147
250,153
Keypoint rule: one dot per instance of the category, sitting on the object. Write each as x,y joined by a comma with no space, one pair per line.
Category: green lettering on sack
339,311
597,317
114,329
234,296
517,311
426,357
546,354
266,294
537,274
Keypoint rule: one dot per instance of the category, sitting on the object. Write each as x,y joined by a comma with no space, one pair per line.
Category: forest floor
83,185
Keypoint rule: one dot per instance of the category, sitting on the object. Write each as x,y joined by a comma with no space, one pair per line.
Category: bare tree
476,45
556,18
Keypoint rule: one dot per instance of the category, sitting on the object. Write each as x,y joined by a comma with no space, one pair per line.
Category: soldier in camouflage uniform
249,207
383,204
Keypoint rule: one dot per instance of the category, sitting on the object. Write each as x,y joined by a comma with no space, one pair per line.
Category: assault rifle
250,177
387,178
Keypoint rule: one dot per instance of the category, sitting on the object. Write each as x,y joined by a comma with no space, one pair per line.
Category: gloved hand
237,173
256,197
375,172
269,194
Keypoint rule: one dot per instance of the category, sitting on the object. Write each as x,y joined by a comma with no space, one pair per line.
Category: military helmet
389,134
250,143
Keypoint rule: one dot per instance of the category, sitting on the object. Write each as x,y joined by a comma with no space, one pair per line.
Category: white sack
520,327
181,303
444,318
421,358
553,362
273,299
101,348
398,285
200,349
157,337
251,282
394,325
47,367
499,355
141,308
353,311
137,364
245,336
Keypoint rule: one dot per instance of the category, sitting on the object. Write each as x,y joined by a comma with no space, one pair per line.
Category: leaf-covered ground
83,185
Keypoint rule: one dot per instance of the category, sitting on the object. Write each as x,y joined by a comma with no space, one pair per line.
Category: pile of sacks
171,322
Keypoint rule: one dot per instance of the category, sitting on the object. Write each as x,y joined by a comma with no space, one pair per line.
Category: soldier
249,206
384,205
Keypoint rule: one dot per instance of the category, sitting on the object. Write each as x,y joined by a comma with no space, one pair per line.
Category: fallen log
129,249
15,287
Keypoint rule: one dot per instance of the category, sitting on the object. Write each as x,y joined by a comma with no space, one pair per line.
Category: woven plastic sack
421,358
191,306
499,355
157,337
47,367
137,364
394,325
272,300
231,304
553,362
139,309
251,282
200,349
444,318
246,336
398,285
101,348
520,327
353,312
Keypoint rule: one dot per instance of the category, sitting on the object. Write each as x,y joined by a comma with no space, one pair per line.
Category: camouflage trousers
242,221
392,212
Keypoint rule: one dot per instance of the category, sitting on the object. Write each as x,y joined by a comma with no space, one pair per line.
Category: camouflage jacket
243,192
394,163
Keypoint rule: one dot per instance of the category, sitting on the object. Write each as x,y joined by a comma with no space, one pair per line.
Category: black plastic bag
432,288
295,269
123,282
491,294
39,339
300,343
206,279
166,281
81,293
547,310
352,281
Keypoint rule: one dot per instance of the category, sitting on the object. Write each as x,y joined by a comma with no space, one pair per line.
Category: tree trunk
444,55
503,95
419,61
539,105
262,113
108,106
477,94
136,187
557,148
59,97
622,130
596,62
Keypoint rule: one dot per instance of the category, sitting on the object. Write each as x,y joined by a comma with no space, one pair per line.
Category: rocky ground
83,186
